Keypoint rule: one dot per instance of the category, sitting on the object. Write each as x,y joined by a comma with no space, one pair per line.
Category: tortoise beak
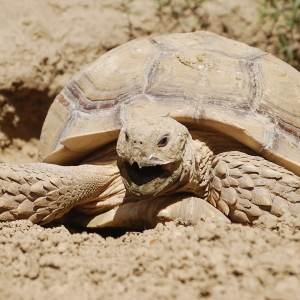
143,171
150,161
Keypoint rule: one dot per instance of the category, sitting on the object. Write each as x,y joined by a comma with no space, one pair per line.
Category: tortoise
185,125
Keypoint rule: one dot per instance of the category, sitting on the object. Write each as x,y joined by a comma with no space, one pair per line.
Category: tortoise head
151,155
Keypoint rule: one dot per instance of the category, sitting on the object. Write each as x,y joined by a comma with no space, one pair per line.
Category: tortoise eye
163,142
126,136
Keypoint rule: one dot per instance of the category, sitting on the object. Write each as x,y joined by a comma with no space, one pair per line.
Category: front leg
44,192
244,187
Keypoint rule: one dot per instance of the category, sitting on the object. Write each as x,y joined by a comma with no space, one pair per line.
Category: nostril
141,143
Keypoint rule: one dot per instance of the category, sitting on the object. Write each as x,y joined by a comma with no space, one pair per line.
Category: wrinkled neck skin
196,165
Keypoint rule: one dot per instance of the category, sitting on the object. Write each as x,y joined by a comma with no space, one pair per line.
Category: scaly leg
244,187
44,192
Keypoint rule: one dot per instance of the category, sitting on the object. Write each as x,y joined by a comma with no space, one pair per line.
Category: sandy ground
211,261
42,44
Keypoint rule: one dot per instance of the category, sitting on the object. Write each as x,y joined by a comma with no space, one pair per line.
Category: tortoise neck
196,167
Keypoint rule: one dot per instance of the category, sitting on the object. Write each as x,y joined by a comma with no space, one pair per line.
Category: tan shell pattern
193,77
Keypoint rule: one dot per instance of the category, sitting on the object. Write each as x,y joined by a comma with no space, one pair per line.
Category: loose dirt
42,45
210,261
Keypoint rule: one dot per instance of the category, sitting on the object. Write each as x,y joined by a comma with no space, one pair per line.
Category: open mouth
149,181
141,176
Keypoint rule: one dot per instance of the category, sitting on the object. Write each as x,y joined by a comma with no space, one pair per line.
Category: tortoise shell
195,77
